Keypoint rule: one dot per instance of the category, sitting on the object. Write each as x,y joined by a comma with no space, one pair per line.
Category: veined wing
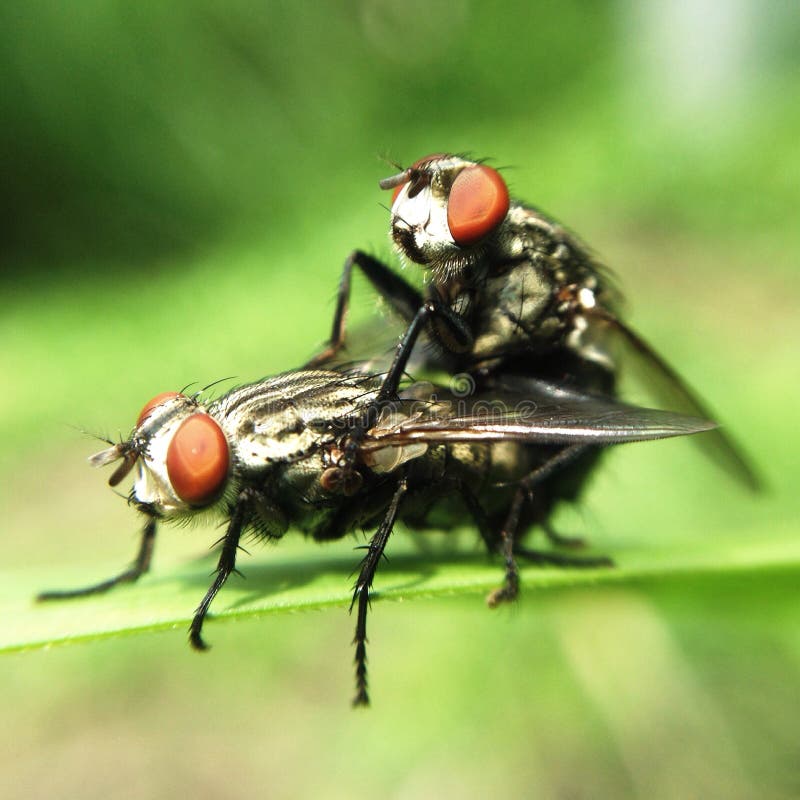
551,416
667,387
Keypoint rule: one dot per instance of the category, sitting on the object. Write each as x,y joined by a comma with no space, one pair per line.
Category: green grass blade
296,576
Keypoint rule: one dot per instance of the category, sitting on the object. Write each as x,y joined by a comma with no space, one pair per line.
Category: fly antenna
397,180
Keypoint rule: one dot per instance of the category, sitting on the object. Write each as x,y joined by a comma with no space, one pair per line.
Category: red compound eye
478,203
156,401
197,459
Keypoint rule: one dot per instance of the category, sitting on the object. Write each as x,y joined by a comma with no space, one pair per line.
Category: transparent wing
541,414
667,387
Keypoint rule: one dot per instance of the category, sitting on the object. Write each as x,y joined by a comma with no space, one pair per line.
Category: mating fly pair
515,303
509,296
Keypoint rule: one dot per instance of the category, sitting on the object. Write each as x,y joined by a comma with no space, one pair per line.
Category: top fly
508,291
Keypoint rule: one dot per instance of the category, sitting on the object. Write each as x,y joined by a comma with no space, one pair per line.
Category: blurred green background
181,185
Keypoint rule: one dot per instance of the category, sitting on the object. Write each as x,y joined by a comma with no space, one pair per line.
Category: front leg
460,338
226,565
133,573
391,381
403,298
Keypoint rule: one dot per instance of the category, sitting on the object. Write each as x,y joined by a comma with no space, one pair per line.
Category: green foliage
307,579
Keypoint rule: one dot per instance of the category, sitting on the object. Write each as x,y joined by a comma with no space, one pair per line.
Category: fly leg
433,309
510,588
559,540
391,381
478,515
369,565
140,565
508,536
400,295
561,559
226,565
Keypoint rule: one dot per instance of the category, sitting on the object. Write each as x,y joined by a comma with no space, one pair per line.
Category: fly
269,456
507,291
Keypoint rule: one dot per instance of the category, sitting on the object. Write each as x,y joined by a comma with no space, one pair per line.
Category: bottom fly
281,453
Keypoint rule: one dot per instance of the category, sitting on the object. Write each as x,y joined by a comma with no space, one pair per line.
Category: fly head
182,454
445,212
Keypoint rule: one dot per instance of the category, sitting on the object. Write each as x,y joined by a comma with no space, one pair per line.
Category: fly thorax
288,417
512,311
262,439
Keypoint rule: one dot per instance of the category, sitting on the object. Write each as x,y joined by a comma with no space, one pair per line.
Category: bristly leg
400,295
362,591
226,565
391,381
433,309
510,588
406,301
413,309
140,565
508,537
